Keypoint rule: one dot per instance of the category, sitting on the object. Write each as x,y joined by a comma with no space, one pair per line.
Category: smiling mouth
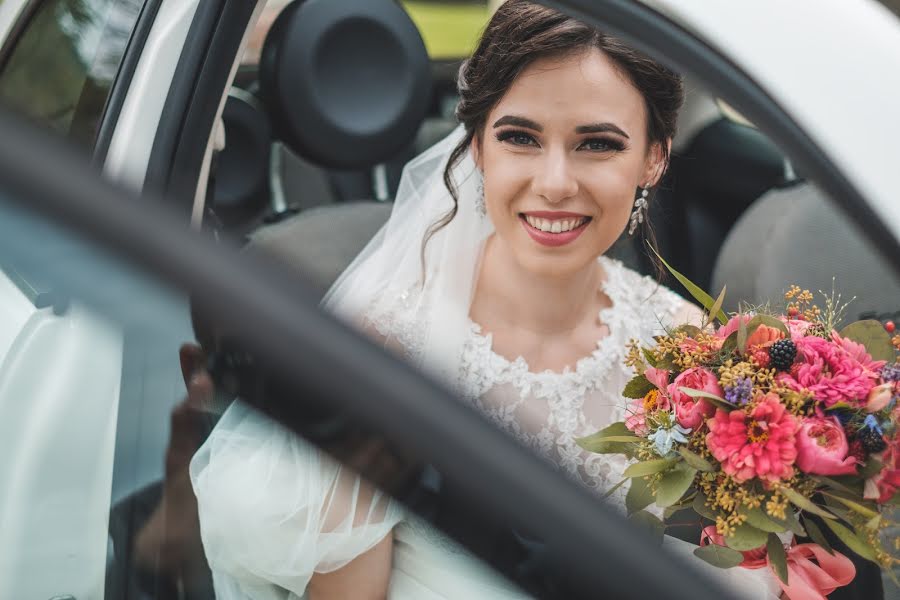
554,225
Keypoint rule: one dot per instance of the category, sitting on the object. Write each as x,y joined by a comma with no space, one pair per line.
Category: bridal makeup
562,153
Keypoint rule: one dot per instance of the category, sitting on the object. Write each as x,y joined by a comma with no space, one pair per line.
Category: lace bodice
548,410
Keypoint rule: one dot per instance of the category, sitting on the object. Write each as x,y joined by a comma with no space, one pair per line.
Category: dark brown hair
521,32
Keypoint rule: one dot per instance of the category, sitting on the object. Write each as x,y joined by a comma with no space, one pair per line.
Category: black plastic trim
682,51
122,84
197,87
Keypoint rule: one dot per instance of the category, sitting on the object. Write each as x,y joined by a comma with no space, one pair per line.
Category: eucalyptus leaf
852,540
649,467
871,334
719,556
639,495
695,460
599,443
700,507
610,491
650,358
692,331
650,523
742,334
777,557
804,503
638,387
711,398
673,484
872,468
837,485
816,535
696,291
746,537
759,519
792,522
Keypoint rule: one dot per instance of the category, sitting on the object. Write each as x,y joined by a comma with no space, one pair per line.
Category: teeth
555,226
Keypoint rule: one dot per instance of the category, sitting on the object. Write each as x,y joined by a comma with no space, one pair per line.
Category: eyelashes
597,144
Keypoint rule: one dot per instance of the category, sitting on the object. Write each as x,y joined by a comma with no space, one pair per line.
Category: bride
491,276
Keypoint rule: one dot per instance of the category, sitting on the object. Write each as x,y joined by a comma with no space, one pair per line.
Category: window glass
64,62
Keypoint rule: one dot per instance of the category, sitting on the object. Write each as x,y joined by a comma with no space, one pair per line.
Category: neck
547,305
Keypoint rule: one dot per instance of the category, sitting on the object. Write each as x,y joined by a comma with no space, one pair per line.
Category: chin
558,265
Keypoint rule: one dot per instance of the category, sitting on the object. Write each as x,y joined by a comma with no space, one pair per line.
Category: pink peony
691,412
658,377
832,371
822,448
761,444
753,559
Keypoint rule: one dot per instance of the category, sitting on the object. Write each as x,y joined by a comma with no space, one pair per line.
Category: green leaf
777,557
792,522
816,535
599,443
717,305
638,387
610,491
650,523
649,467
695,460
742,334
851,540
836,485
650,358
804,503
719,556
639,495
700,507
759,519
857,506
871,334
699,295
872,468
746,537
711,398
673,484
731,342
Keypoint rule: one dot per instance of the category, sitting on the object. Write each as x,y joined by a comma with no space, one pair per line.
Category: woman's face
562,154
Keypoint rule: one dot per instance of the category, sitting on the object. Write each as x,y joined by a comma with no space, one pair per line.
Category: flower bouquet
760,421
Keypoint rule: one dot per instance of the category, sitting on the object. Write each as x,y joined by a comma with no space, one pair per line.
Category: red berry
857,451
793,311
890,327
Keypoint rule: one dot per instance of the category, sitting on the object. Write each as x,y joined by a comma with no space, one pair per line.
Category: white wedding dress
274,510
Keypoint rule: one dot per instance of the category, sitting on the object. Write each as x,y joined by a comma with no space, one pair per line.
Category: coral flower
763,337
691,412
833,371
885,484
760,444
822,448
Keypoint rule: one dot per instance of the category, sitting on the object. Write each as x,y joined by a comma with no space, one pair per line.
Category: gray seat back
798,236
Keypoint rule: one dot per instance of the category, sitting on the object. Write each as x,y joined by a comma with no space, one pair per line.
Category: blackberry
783,353
872,441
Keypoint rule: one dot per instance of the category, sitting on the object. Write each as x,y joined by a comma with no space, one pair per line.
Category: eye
602,145
516,138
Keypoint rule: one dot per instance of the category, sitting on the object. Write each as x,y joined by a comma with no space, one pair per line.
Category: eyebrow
516,121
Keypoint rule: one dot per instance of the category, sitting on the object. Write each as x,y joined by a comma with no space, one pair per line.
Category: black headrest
347,81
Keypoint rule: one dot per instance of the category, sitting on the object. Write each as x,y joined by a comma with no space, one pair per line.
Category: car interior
317,132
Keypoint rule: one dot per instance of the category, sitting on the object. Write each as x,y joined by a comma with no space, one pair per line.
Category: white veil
389,275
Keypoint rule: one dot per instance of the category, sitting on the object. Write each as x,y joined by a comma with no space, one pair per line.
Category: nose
554,179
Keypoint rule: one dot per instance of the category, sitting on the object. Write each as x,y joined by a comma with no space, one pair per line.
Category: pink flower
833,371
691,412
731,326
658,377
822,448
797,327
753,559
879,397
636,420
761,444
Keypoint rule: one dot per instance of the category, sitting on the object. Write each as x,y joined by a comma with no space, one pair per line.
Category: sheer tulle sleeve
274,509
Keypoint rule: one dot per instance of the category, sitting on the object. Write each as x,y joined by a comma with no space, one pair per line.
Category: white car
279,143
